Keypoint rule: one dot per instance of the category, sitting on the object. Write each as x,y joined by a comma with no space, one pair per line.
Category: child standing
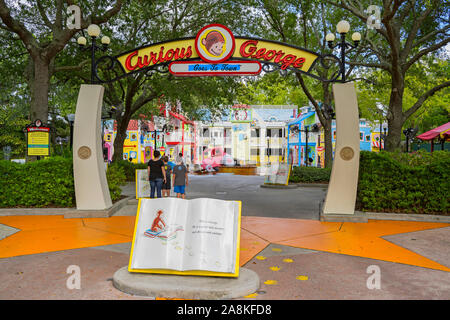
180,179
167,185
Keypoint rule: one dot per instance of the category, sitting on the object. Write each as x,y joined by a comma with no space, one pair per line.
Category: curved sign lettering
215,51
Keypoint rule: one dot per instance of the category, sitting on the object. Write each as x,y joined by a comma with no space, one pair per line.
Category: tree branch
424,97
18,28
413,33
423,52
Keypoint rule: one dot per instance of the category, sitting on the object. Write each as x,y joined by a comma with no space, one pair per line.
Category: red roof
443,131
134,125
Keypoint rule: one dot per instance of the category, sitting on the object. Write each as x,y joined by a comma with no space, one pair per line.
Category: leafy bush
46,183
310,174
129,168
401,182
116,177
416,182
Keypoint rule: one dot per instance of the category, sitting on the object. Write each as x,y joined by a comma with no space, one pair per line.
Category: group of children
179,174
162,175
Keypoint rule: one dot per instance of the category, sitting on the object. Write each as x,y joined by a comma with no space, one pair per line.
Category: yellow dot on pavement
261,258
251,295
270,282
302,278
276,249
274,268
255,243
243,249
288,260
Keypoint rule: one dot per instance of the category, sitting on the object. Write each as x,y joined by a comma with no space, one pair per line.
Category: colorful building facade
369,135
170,135
247,134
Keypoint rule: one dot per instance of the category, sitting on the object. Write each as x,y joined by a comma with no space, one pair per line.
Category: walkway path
296,258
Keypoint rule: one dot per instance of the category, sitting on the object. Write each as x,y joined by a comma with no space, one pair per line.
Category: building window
206,133
228,151
280,133
367,138
275,151
361,136
255,133
268,132
254,151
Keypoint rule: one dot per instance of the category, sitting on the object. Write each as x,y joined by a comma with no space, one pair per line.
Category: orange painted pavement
41,234
350,238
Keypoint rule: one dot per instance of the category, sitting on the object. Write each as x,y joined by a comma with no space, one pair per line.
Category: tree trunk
395,114
118,144
122,126
328,144
39,85
326,123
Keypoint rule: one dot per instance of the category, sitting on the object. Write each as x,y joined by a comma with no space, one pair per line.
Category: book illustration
160,230
198,236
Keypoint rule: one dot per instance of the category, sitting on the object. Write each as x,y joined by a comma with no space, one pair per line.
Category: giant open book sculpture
186,237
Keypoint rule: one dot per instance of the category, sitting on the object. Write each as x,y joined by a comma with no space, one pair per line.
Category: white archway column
342,188
91,186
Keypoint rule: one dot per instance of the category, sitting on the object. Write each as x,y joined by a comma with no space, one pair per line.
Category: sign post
38,140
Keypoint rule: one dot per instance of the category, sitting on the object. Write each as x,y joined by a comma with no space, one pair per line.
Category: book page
211,239
160,233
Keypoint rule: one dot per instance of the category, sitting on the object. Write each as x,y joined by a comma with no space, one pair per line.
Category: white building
251,135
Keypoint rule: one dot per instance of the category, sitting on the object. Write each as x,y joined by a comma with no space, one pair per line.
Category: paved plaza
294,254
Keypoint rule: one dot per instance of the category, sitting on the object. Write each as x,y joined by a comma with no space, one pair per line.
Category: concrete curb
67,212
360,216
313,185
406,217
186,287
98,213
279,186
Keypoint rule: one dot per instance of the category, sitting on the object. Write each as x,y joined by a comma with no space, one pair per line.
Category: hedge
128,168
416,182
46,183
409,183
310,175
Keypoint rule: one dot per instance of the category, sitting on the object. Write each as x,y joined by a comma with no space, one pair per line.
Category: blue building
297,144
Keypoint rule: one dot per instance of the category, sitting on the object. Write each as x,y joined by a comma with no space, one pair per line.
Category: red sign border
193,74
224,58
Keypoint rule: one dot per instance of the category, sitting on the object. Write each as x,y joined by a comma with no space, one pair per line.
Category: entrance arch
214,52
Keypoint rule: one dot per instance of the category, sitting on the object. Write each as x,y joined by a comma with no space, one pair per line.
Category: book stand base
186,287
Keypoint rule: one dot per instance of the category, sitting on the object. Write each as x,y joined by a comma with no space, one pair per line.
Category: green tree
409,31
40,26
305,24
143,23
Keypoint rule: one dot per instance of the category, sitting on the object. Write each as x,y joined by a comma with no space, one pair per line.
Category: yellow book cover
186,237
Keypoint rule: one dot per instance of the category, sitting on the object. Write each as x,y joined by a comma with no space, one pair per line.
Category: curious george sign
216,51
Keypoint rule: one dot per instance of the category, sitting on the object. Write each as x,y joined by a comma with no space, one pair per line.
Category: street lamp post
93,31
342,28
71,118
409,134
306,146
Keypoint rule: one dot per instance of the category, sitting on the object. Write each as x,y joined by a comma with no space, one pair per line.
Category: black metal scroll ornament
108,69
326,62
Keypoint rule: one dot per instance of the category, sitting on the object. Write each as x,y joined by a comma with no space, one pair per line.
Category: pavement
295,255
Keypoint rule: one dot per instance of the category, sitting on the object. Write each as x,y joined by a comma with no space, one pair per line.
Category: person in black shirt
156,174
